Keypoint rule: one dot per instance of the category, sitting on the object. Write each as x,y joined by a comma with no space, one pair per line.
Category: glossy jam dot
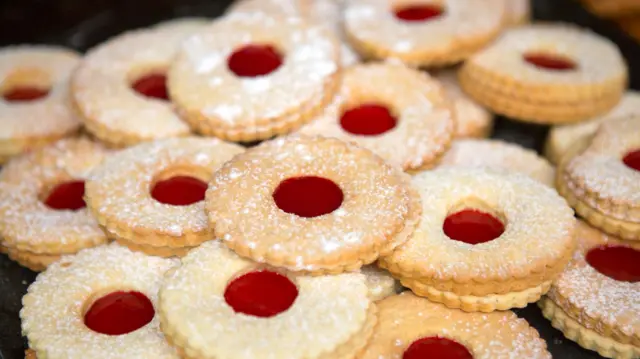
179,191
119,313
436,348
66,196
154,86
617,262
632,160
368,120
24,94
416,13
550,61
308,196
472,226
261,294
254,60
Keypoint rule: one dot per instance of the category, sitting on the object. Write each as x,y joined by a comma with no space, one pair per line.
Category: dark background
81,24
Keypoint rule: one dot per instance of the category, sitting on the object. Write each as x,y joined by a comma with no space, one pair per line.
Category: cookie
42,211
518,12
411,327
600,178
547,73
251,76
486,241
218,305
596,300
422,33
150,197
311,204
35,109
397,112
380,283
100,303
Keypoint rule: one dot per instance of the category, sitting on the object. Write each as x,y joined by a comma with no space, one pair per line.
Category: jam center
416,13
261,294
308,196
119,313
368,120
153,85
436,348
24,94
550,61
472,226
254,60
632,160
179,191
66,196
617,262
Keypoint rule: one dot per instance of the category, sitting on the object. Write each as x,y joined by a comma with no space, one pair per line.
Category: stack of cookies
249,188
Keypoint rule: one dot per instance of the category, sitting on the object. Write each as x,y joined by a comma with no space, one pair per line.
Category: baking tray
81,24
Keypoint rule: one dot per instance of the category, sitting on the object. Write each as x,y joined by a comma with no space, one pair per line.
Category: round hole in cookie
179,190
418,12
261,293
632,160
472,226
254,60
550,61
368,120
66,196
617,262
24,94
119,313
152,85
436,347
308,196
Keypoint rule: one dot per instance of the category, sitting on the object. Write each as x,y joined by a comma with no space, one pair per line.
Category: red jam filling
66,196
308,196
436,348
154,86
368,120
472,226
119,313
617,262
179,191
415,13
632,160
550,61
254,60
24,94
261,294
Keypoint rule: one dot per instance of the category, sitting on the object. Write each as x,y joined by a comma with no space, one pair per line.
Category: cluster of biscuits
164,231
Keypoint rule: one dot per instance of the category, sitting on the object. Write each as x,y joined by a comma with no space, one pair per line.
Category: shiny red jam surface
119,313
472,226
308,196
368,120
436,348
154,86
550,61
617,262
66,196
25,94
261,294
254,60
632,160
179,191
418,13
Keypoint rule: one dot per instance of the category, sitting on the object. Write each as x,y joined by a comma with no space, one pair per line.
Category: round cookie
422,33
499,155
472,120
120,87
34,103
600,178
561,138
486,241
250,76
149,197
218,305
99,303
596,300
547,73
518,12
412,327
311,204
398,113
42,214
